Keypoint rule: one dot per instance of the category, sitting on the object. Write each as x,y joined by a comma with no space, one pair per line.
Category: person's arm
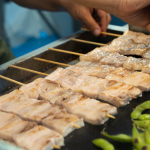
135,12
78,12
50,5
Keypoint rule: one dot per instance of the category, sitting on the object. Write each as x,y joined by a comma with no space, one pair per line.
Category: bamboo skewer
88,42
76,126
11,80
53,62
64,51
55,146
110,116
25,69
106,33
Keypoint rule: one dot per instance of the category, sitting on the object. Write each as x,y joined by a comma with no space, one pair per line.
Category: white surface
118,28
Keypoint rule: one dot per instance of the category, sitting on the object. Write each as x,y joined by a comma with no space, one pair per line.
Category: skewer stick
76,126
64,51
25,69
11,80
106,33
134,97
110,116
55,146
53,62
88,42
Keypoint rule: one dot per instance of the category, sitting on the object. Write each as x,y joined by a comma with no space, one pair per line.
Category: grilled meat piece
38,138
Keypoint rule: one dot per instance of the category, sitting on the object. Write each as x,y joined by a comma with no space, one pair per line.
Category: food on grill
132,48
40,110
38,138
95,55
92,69
140,80
117,60
111,73
96,76
111,91
132,63
26,134
138,37
6,118
73,102
14,101
8,131
114,59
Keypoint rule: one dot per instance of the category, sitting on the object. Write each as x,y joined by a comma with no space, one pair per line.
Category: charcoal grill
80,139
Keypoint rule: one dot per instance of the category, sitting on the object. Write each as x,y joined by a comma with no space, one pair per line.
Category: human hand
135,12
96,24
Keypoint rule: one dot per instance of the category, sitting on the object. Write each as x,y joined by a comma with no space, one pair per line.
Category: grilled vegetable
120,137
104,144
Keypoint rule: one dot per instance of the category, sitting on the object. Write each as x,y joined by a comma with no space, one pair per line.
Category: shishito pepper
138,140
139,109
123,138
104,144
144,117
142,123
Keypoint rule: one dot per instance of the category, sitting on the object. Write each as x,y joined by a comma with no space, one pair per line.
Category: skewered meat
68,99
95,55
38,111
28,134
92,69
89,108
131,48
140,80
15,101
33,92
7,118
132,63
62,122
113,59
146,54
96,88
8,131
38,138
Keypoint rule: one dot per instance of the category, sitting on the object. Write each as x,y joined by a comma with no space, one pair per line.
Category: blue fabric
33,44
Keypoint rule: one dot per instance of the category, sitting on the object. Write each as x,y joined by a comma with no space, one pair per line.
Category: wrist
64,5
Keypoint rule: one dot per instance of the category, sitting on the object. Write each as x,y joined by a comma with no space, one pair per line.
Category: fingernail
96,32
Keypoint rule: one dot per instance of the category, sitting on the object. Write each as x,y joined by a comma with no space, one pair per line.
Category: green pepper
143,124
144,117
120,137
138,141
147,136
104,144
139,109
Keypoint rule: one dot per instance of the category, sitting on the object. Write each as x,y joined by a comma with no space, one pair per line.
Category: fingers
105,19
90,23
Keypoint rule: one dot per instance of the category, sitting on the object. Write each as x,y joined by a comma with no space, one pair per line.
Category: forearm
109,6
50,5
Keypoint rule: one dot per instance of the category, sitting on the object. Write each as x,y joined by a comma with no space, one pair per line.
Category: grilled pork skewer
138,37
71,101
38,111
117,60
111,91
140,80
112,73
28,135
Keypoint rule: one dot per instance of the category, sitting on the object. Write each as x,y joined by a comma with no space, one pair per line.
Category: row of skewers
65,87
